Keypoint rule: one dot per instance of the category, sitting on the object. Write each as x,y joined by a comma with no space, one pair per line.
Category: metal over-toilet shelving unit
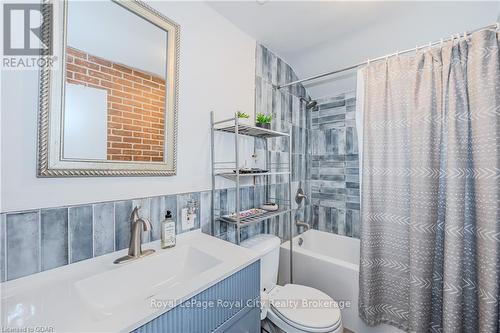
232,170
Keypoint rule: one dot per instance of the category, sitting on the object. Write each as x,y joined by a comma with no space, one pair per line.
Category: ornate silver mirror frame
51,162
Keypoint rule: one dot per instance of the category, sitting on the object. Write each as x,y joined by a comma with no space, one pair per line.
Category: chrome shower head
311,104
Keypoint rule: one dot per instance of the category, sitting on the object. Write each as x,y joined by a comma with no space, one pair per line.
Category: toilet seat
304,308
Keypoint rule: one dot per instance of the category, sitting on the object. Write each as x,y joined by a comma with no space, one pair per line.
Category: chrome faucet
303,224
135,249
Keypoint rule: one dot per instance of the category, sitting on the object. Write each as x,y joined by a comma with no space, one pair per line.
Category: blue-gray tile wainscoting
38,240
335,166
22,235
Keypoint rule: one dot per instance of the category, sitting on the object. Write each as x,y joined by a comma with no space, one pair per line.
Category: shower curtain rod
495,25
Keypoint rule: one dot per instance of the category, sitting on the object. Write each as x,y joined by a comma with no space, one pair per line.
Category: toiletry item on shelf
246,170
270,206
168,231
251,170
188,215
244,214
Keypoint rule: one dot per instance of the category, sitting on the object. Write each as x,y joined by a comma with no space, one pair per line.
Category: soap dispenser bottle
168,231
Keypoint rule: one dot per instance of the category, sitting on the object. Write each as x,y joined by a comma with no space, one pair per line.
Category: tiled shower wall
335,166
287,108
324,157
288,112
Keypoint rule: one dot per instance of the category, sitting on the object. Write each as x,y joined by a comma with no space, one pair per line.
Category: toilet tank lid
263,243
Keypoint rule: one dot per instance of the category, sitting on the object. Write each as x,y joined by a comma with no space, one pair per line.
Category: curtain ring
497,24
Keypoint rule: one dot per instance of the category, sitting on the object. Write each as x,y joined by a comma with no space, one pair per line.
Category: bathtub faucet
303,224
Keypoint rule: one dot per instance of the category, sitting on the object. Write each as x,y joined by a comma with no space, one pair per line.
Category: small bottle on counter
168,231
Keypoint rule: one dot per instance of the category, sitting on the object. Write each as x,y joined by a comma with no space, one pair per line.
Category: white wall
216,73
422,23
85,122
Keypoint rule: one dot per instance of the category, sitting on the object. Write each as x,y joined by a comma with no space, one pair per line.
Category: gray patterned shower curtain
430,238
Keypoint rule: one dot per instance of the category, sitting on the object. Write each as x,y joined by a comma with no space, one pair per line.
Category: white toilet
292,308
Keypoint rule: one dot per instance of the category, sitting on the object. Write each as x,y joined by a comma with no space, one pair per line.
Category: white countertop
96,295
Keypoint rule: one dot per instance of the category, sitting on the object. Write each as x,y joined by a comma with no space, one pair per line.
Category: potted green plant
263,120
243,118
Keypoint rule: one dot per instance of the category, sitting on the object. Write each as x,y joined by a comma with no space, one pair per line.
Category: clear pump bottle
168,231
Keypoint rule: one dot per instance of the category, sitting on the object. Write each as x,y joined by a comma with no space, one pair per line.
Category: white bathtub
330,263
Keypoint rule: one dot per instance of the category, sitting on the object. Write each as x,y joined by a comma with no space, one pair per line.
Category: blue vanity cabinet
245,322
232,305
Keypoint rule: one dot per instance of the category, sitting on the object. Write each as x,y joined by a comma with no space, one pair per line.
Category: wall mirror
109,108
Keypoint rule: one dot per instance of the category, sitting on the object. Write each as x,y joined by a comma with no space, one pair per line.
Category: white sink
98,296
143,278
